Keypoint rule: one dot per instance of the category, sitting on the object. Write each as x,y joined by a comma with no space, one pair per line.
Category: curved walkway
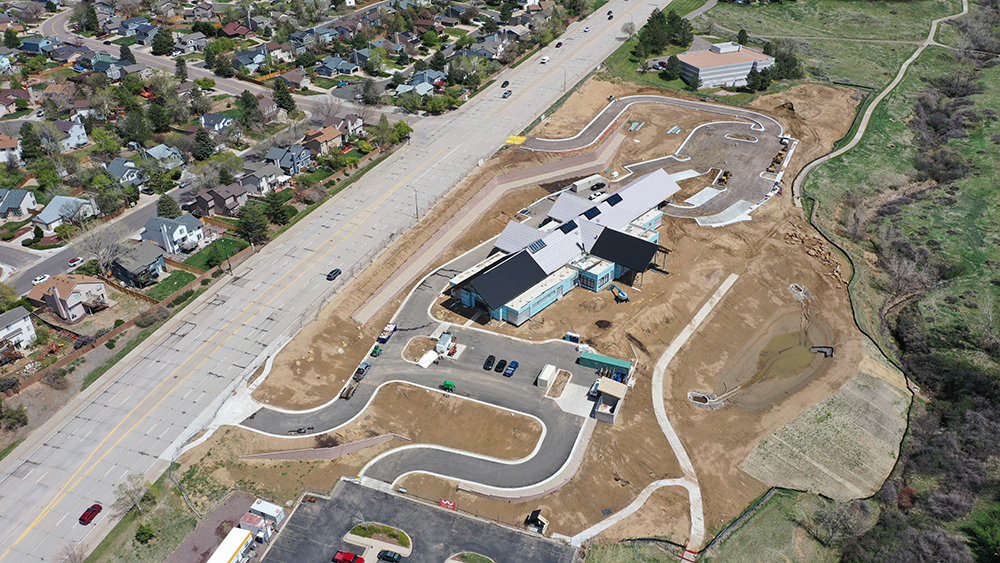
797,183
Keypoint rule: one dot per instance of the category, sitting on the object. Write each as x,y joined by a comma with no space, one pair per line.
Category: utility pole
416,207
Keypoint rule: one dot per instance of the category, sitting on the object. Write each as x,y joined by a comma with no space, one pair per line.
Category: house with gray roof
166,157
224,200
126,172
73,135
36,44
16,203
140,266
16,327
174,235
261,177
64,209
130,27
215,121
292,160
191,43
145,33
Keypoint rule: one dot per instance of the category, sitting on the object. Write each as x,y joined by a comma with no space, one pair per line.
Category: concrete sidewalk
581,165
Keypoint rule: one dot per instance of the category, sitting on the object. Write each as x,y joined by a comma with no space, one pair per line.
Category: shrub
101,332
151,317
206,281
144,533
218,273
15,418
83,341
9,384
110,344
119,322
181,298
56,379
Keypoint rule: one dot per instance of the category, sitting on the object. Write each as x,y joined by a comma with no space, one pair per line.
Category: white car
596,195
40,279
586,29
545,59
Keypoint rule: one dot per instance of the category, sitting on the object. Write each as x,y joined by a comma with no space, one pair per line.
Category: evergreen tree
167,207
673,70
180,69
753,80
50,6
252,117
224,68
125,54
31,142
163,42
90,21
742,38
134,127
10,39
202,144
225,178
437,61
252,224
209,58
159,118
769,49
282,96
275,209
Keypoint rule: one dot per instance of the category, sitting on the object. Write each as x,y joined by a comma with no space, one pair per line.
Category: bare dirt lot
426,417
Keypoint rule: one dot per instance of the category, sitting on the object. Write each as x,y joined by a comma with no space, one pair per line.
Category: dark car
559,44
511,368
611,17
507,93
500,365
609,12
488,364
505,84
91,513
107,42
391,556
333,274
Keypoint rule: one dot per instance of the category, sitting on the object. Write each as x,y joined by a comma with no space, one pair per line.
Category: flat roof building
723,64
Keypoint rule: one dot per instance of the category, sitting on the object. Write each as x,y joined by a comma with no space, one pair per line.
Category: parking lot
316,530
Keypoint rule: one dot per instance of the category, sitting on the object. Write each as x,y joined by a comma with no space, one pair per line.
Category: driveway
315,531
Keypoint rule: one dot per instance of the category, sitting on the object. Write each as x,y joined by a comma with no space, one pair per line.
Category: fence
182,266
24,182
217,223
127,290
312,454
483,515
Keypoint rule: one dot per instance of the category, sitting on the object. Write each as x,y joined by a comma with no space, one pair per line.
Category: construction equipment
376,352
348,391
620,296
448,386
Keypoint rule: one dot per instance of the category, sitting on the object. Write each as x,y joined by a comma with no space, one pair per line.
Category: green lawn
228,247
324,82
169,285
17,114
771,534
354,153
235,113
11,447
315,177
456,32
129,41
873,65
684,7
905,21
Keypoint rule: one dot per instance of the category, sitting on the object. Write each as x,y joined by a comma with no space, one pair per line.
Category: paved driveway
314,533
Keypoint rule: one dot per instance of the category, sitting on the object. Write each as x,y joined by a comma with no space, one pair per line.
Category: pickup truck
362,371
346,557
386,333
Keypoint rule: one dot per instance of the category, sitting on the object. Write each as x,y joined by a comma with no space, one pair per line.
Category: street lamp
416,207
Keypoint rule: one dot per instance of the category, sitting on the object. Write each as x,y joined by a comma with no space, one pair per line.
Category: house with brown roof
295,79
268,108
234,29
321,141
348,124
70,297
10,150
224,200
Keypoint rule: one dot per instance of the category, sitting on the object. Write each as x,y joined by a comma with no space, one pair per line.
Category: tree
31,142
305,60
144,533
131,494
673,70
108,200
753,80
742,38
282,96
205,28
167,207
382,132
328,106
252,224
15,418
275,209
125,54
203,147
628,28
8,297
163,42
104,142
199,102
50,6
180,69
135,128
10,39
90,21
506,11
369,93
430,39
225,177
103,242
158,117
73,553
438,61
436,104
401,130
209,58
224,67
252,117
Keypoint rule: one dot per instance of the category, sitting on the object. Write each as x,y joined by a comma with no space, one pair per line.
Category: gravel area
201,544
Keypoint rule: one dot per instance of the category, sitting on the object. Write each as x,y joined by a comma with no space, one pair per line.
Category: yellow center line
66,488
581,45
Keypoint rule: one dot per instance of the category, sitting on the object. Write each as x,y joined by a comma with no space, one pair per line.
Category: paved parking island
316,531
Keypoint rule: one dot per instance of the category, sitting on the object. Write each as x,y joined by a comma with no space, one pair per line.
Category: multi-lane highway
136,417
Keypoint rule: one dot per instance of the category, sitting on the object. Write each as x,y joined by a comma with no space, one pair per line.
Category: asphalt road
138,415
315,531
517,392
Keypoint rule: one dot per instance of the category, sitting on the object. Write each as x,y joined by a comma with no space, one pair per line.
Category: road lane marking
71,484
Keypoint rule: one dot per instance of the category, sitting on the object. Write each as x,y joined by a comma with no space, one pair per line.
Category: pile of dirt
818,248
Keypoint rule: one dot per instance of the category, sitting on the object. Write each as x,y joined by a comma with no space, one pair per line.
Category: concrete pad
684,175
735,213
574,399
702,196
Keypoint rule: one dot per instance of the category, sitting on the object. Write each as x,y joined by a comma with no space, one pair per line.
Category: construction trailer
235,548
546,376
268,511
587,183
604,364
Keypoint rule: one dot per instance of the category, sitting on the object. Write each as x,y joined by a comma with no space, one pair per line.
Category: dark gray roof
632,252
506,279
139,257
14,315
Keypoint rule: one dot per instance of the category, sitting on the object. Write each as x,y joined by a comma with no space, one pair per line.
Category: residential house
124,171
111,24
7,61
292,160
140,266
166,157
283,53
332,66
8,99
81,109
97,57
10,151
320,141
360,57
350,124
215,121
73,135
449,21
104,7
517,32
130,27
63,209
430,76
184,89
145,33
35,44
262,177
174,235
16,327
250,60
423,26
169,9
296,79
224,200
200,12
16,203
258,23
390,47
142,71
302,40
268,108
323,34
113,70
420,89
62,54
235,30
191,43
70,297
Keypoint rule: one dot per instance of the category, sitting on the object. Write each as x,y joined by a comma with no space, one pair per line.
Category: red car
345,557
91,513
559,44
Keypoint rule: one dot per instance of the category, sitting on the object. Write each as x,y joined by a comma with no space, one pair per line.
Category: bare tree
103,242
628,28
328,106
837,521
50,136
128,8
30,11
73,553
989,324
131,493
